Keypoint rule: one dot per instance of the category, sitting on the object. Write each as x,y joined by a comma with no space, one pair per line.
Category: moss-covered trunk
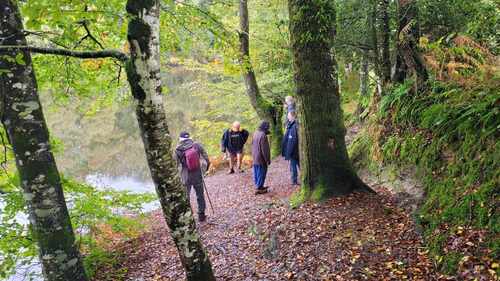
143,73
265,109
27,131
325,166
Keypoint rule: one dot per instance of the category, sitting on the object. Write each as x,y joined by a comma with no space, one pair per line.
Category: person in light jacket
261,154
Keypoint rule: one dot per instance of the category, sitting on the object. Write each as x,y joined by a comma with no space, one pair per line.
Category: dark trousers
294,166
259,175
200,198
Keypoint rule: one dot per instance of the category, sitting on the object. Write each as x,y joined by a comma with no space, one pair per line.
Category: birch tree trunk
265,110
325,166
27,131
143,72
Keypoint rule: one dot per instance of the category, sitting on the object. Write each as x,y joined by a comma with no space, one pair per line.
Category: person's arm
244,135
265,150
177,158
284,143
204,155
223,142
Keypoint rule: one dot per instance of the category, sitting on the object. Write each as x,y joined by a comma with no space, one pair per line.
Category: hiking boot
202,217
261,190
231,171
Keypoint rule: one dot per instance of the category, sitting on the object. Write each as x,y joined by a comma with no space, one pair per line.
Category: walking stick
206,191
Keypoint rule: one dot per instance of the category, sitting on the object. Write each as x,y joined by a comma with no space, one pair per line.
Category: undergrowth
450,135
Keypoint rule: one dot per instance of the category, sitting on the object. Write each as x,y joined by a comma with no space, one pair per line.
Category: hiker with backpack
232,143
261,154
188,155
290,146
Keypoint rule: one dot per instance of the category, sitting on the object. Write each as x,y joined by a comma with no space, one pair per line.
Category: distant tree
385,30
270,111
24,122
325,165
409,62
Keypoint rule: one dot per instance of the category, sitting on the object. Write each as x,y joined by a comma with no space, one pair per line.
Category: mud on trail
259,237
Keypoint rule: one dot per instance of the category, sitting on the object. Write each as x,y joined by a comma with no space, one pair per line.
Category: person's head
291,116
289,100
236,126
264,127
184,136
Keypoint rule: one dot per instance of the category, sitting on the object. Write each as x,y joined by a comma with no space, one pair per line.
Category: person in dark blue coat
290,146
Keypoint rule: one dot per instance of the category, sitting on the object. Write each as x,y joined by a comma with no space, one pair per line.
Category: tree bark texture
363,84
409,61
27,131
265,109
372,29
325,165
143,72
386,35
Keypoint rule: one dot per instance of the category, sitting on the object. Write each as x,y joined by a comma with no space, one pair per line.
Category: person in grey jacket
261,154
186,152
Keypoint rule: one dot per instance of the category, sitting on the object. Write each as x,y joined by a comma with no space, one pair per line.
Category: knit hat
264,126
184,135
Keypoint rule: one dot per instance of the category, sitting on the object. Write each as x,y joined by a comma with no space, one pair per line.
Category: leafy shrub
100,219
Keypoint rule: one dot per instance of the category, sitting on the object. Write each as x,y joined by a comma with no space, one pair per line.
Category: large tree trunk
265,110
325,166
27,132
143,73
409,61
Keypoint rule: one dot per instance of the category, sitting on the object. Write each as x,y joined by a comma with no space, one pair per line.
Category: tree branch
70,53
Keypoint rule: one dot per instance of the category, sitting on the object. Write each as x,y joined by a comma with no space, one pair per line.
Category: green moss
298,198
450,136
319,193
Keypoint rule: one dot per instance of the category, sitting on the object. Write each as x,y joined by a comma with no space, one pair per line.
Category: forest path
359,237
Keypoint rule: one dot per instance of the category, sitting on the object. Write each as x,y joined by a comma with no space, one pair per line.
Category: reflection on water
124,183
120,183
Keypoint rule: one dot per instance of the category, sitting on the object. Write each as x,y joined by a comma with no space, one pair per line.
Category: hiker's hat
184,135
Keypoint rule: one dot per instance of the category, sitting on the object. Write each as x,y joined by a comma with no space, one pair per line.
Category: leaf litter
260,237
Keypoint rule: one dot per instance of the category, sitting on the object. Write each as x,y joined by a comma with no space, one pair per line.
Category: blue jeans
294,166
259,175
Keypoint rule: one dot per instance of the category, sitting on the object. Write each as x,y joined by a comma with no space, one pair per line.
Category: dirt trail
249,237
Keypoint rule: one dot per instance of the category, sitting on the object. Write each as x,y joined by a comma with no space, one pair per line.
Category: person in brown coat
261,154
